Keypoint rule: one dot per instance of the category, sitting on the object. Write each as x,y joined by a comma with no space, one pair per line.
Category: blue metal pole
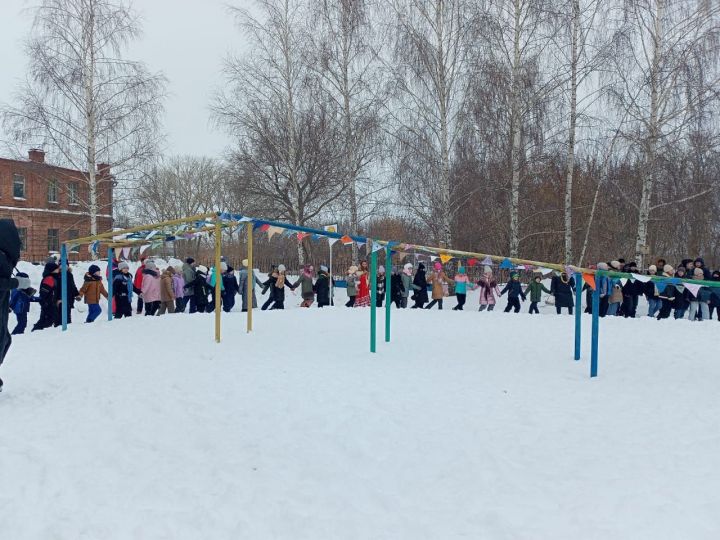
64,286
373,300
110,283
578,312
595,328
388,295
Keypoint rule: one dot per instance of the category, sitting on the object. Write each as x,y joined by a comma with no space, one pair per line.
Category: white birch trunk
443,89
90,117
516,140
650,176
571,132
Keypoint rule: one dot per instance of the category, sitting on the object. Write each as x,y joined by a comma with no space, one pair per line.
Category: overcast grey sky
185,39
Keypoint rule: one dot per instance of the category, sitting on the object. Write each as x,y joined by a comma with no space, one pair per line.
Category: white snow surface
467,425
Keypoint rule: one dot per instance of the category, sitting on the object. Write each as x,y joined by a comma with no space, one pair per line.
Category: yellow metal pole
251,276
218,279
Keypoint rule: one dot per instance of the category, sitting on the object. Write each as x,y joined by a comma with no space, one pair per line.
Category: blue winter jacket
20,302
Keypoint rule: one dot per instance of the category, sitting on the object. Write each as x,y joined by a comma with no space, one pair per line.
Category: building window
22,232
53,191
72,234
73,193
18,186
53,240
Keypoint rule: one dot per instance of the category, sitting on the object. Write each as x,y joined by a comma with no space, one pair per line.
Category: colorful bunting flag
693,288
487,261
506,264
472,262
332,241
302,235
125,252
376,246
331,228
444,258
143,248
641,278
264,227
346,240
623,281
272,230
520,267
660,285
152,233
590,280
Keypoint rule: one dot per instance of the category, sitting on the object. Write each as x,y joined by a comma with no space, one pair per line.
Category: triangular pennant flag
273,230
264,227
641,278
346,240
660,285
506,263
487,261
134,250
315,237
444,258
302,235
433,257
125,252
693,288
152,233
590,280
543,270
520,267
623,281
143,248
332,241
360,243
472,262
376,246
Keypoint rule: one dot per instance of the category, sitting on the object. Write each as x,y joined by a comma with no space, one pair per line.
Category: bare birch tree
432,79
82,98
286,162
665,48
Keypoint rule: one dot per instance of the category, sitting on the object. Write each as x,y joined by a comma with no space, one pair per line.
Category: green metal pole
373,300
388,295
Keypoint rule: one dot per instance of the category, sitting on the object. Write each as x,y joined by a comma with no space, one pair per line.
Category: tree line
571,130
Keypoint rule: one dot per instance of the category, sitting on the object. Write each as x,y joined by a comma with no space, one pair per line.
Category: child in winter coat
280,283
488,290
419,285
269,285
179,289
322,287
461,284
20,299
167,292
667,295
406,279
700,306
305,282
351,285
48,297
230,289
121,294
201,289
397,291
439,281
535,288
92,290
562,288
380,286
515,292
150,288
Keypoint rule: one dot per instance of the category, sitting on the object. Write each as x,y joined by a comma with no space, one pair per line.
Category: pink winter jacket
488,290
151,287
178,285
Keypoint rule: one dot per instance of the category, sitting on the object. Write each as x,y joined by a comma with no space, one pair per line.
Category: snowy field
468,425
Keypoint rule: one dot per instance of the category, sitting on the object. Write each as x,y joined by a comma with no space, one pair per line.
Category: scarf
280,283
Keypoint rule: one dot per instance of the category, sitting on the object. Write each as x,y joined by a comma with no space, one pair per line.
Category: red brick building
49,204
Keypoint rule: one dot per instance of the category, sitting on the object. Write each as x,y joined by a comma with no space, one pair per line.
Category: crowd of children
191,287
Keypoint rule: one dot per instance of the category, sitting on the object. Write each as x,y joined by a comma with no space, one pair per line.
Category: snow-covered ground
468,425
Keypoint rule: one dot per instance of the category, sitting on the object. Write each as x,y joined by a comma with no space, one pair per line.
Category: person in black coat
396,290
420,296
515,292
715,296
269,285
562,288
201,289
230,289
321,287
121,293
9,257
631,291
700,263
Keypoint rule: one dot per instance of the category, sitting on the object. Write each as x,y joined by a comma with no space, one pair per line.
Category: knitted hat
323,268
189,260
408,266
487,270
615,265
652,268
51,259
94,269
281,267
603,266
202,269
150,265
123,266
698,273
245,263
668,269
438,266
